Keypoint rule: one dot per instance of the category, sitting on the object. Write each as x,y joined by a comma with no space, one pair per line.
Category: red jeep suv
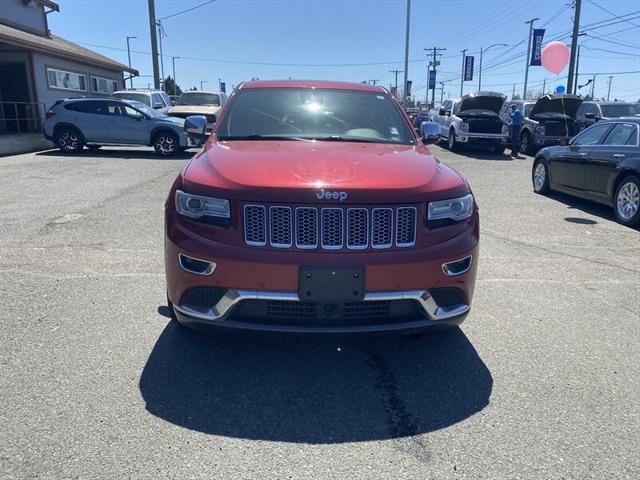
315,206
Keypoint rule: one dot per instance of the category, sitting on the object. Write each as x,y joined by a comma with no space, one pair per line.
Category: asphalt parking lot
541,381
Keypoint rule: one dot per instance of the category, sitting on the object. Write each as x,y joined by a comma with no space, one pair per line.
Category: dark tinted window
320,114
90,106
592,135
621,134
621,110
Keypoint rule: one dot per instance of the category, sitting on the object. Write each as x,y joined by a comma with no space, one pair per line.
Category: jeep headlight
465,127
454,209
197,206
540,130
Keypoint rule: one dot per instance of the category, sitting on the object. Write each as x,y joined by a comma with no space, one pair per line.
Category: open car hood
561,104
491,101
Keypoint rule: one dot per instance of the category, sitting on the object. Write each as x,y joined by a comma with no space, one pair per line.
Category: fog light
193,265
457,267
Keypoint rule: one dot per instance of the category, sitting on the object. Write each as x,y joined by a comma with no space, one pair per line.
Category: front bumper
249,275
482,138
548,140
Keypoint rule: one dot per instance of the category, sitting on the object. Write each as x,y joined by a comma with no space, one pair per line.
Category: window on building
66,80
103,85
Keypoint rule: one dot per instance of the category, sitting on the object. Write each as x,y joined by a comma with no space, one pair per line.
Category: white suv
156,99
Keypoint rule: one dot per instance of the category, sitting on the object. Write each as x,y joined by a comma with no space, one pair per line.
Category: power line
610,13
187,10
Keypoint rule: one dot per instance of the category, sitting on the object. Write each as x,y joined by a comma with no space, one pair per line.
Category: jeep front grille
330,228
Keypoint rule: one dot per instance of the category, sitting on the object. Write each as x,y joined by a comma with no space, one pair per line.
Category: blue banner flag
536,47
468,69
409,82
223,87
432,79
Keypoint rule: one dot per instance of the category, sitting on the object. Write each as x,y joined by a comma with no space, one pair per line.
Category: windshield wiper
257,136
338,138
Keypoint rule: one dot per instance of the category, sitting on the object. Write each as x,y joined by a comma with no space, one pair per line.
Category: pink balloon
555,56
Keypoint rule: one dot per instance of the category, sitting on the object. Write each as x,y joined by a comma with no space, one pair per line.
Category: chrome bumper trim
224,306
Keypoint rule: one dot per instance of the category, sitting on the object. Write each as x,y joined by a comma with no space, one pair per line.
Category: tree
171,88
516,97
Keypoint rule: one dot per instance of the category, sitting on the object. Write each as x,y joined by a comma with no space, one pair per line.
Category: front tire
525,142
166,144
627,201
451,141
540,176
69,140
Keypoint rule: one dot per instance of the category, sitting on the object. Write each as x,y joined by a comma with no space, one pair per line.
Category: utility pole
480,70
609,91
406,55
513,93
129,55
434,64
526,71
160,33
574,45
154,43
441,92
593,86
396,72
175,84
464,52
575,83
202,82
544,86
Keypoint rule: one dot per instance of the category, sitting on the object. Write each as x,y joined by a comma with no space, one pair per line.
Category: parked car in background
199,103
422,116
547,121
93,122
590,112
473,120
156,99
315,207
602,164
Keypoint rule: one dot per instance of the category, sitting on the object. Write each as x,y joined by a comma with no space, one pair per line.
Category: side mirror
173,103
195,126
157,106
441,111
563,141
591,116
429,133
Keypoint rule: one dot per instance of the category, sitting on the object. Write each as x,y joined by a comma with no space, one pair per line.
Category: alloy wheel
539,176
165,144
68,141
628,200
451,140
524,144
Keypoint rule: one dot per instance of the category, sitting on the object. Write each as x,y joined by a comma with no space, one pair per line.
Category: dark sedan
601,163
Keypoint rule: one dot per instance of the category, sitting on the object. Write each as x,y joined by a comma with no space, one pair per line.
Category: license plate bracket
316,283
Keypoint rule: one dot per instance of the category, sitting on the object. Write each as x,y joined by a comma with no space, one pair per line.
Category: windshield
622,110
318,114
138,97
147,110
199,98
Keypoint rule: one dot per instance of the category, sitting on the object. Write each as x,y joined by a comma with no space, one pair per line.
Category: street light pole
593,85
129,55
462,75
396,72
406,55
609,91
480,70
202,82
526,71
175,84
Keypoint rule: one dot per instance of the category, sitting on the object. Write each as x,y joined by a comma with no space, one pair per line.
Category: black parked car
590,112
601,163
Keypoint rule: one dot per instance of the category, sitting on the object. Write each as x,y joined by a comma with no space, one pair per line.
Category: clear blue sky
348,32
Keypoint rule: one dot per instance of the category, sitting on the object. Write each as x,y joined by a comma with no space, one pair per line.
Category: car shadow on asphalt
121,154
484,154
312,389
591,208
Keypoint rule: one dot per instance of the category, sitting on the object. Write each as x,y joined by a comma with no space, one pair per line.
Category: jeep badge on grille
322,195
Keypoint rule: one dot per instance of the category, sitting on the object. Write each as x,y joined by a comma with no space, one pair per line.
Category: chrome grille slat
330,228
406,226
280,227
255,230
357,228
306,227
381,228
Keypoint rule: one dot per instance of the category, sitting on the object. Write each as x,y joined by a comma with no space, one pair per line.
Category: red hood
295,171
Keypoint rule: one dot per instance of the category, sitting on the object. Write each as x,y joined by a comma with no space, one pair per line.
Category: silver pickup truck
473,120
